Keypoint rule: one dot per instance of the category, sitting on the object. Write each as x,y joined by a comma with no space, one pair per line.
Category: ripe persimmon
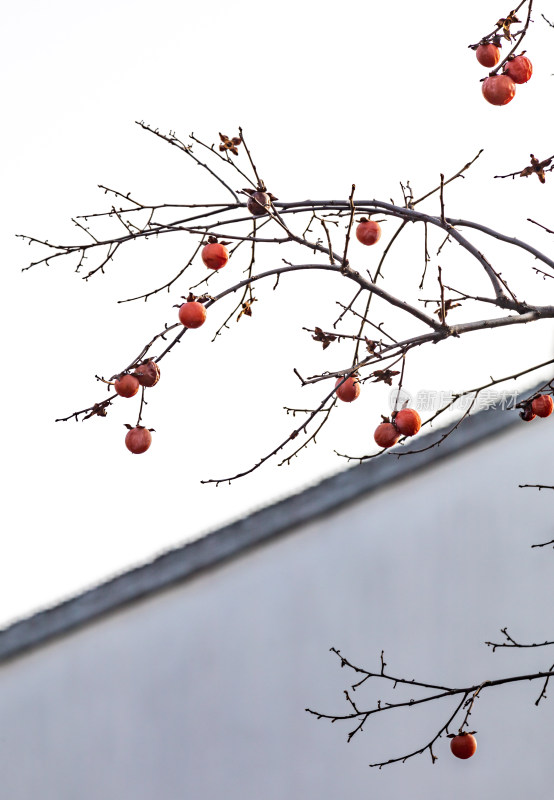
138,440
349,390
192,314
368,232
542,406
215,255
127,386
407,422
147,374
498,89
519,69
488,55
464,745
386,435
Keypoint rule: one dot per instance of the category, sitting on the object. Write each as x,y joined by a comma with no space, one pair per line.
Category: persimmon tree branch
228,221
511,642
233,222
518,37
538,167
504,25
474,393
462,708
187,149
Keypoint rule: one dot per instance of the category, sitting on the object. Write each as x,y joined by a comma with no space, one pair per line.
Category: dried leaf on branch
324,338
505,23
246,308
229,144
384,375
448,306
537,167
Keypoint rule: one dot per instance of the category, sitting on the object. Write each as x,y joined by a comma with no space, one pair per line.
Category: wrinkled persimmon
127,386
368,232
147,374
386,435
488,55
464,745
215,255
192,314
519,69
348,390
498,89
259,203
542,406
527,414
407,422
138,440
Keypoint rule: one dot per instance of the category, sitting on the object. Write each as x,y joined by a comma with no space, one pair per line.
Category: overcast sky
328,94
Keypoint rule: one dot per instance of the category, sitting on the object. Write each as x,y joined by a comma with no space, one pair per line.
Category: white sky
328,94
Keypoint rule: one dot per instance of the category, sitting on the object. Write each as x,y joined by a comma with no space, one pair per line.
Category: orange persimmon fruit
386,435
138,440
192,314
498,89
349,390
488,55
127,386
368,232
542,406
407,422
464,745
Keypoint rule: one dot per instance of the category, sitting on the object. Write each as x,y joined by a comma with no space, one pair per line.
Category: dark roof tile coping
188,560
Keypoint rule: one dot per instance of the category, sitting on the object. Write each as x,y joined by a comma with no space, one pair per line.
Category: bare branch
468,697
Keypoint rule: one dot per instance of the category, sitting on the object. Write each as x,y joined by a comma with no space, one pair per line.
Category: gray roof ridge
233,539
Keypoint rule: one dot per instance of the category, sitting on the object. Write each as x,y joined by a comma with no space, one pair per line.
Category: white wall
199,693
